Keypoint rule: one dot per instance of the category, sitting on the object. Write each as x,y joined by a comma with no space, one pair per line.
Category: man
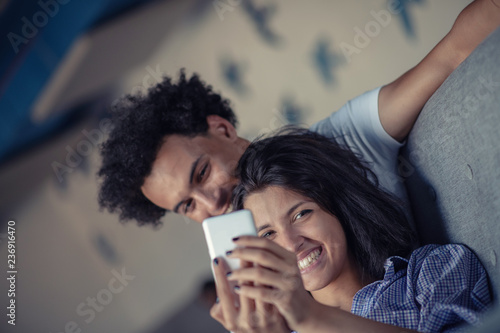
176,148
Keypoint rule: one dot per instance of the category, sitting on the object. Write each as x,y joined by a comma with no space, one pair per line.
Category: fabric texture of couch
451,163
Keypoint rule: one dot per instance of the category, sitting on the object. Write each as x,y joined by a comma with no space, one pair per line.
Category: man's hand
401,101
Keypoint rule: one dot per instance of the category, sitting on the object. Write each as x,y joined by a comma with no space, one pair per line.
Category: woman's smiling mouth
309,260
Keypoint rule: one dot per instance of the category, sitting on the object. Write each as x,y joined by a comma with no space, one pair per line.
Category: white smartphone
220,231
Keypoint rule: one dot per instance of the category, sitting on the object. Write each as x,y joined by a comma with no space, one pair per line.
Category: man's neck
242,145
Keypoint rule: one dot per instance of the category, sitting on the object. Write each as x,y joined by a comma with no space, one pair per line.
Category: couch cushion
453,174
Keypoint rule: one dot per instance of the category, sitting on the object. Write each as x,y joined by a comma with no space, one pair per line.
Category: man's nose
207,200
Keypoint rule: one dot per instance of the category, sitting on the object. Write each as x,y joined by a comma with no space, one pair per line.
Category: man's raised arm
401,101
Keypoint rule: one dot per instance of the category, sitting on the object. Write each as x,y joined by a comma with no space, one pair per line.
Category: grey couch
451,163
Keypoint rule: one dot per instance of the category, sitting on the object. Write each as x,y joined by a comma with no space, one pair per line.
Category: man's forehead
178,145
169,177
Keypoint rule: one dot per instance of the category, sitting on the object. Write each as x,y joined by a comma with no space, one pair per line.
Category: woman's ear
219,126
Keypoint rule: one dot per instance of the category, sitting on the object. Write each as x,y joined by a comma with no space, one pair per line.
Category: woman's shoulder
433,261
441,250
438,252
450,262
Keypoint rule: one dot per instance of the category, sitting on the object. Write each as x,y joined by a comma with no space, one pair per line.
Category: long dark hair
316,167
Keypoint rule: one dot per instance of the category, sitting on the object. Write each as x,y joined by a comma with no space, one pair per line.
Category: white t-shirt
357,126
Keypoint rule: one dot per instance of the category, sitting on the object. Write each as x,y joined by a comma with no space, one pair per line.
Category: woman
325,227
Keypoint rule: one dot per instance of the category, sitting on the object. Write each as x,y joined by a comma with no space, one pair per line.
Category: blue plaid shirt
438,289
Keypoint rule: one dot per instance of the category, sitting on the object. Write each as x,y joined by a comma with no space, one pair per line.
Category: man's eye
187,205
202,172
302,213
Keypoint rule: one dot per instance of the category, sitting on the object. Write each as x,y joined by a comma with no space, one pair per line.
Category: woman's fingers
247,305
267,313
262,257
225,292
263,276
248,317
293,306
270,288
261,293
216,313
266,244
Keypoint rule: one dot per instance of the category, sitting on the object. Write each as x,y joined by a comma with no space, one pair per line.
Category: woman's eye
267,234
302,213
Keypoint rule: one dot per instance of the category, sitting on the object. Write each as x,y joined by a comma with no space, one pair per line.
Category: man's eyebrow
262,227
193,169
191,175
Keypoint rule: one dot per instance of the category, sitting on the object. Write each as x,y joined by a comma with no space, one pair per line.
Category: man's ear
221,127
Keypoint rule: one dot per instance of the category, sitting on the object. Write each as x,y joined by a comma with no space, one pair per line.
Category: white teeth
311,258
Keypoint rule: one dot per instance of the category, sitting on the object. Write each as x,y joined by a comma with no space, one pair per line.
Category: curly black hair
140,123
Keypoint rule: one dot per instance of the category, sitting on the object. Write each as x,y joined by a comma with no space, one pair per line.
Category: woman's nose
291,240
